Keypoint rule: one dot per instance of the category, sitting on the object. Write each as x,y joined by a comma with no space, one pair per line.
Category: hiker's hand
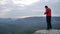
44,13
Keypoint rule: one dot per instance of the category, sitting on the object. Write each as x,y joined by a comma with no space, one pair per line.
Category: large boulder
47,32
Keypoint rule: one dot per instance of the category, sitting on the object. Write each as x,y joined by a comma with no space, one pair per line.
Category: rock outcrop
47,32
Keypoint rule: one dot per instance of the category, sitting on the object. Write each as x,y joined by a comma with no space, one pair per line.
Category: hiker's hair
46,6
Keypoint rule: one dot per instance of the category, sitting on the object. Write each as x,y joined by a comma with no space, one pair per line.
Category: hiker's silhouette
48,17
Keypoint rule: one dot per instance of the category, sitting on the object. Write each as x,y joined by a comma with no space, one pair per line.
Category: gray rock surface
53,31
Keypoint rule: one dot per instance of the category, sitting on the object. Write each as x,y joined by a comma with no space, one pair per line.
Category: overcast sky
27,8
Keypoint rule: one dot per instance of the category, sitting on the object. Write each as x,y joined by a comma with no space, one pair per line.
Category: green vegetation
20,32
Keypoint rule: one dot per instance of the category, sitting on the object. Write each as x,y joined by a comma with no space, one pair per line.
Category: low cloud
9,9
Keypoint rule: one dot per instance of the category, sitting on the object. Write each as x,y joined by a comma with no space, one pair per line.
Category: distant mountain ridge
21,24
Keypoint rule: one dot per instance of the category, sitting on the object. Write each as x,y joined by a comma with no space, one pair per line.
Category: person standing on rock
48,17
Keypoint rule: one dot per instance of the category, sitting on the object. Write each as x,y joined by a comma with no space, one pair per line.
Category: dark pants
48,19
